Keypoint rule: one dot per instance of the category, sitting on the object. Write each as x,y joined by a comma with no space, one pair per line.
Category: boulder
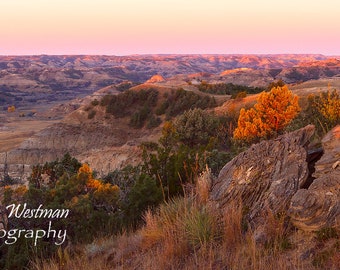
319,206
265,177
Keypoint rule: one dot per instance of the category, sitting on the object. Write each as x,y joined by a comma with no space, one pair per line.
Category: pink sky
122,27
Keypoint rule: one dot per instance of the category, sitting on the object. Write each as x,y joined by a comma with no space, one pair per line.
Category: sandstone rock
319,205
265,177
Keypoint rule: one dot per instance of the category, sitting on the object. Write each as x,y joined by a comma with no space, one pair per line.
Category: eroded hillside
54,95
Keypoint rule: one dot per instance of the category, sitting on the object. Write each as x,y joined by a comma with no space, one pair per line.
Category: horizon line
161,54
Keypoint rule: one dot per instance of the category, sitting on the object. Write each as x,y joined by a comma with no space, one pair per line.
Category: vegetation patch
164,198
227,89
321,110
273,111
129,102
180,101
143,107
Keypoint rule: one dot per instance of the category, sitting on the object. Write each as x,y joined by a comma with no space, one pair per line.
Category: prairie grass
189,233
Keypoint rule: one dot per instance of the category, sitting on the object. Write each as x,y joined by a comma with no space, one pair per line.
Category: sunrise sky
122,27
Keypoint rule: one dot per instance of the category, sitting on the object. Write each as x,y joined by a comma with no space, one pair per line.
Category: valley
51,95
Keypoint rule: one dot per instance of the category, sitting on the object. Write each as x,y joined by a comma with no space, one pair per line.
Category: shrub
273,111
91,203
123,86
199,227
196,127
106,100
227,89
239,95
153,122
278,83
180,101
322,111
94,102
138,118
11,109
145,194
327,104
130,101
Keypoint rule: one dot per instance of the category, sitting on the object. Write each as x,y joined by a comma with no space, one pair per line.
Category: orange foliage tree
272,113
11,109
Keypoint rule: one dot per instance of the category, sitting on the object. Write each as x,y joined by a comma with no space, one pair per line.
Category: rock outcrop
274,177
266,176
319,205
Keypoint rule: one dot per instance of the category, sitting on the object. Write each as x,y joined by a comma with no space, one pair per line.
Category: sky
124,27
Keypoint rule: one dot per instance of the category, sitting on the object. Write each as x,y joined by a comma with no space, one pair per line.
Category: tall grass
189,233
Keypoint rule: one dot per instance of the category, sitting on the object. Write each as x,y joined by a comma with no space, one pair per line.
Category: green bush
106,100
141,105
121,87
146,193
227,88
138,118
180,101
130,101
196,127
153,122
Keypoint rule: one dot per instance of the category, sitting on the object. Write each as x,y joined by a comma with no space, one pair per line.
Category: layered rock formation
266,176
270,177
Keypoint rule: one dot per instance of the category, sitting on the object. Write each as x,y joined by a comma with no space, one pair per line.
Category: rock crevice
318,206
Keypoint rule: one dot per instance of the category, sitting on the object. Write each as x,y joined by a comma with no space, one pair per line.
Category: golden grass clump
203,185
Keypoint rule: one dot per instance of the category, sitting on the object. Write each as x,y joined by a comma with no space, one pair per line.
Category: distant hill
46,78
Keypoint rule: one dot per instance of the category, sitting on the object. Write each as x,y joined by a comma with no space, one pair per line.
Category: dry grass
315,86
187,233
203,185
232,232
233,106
